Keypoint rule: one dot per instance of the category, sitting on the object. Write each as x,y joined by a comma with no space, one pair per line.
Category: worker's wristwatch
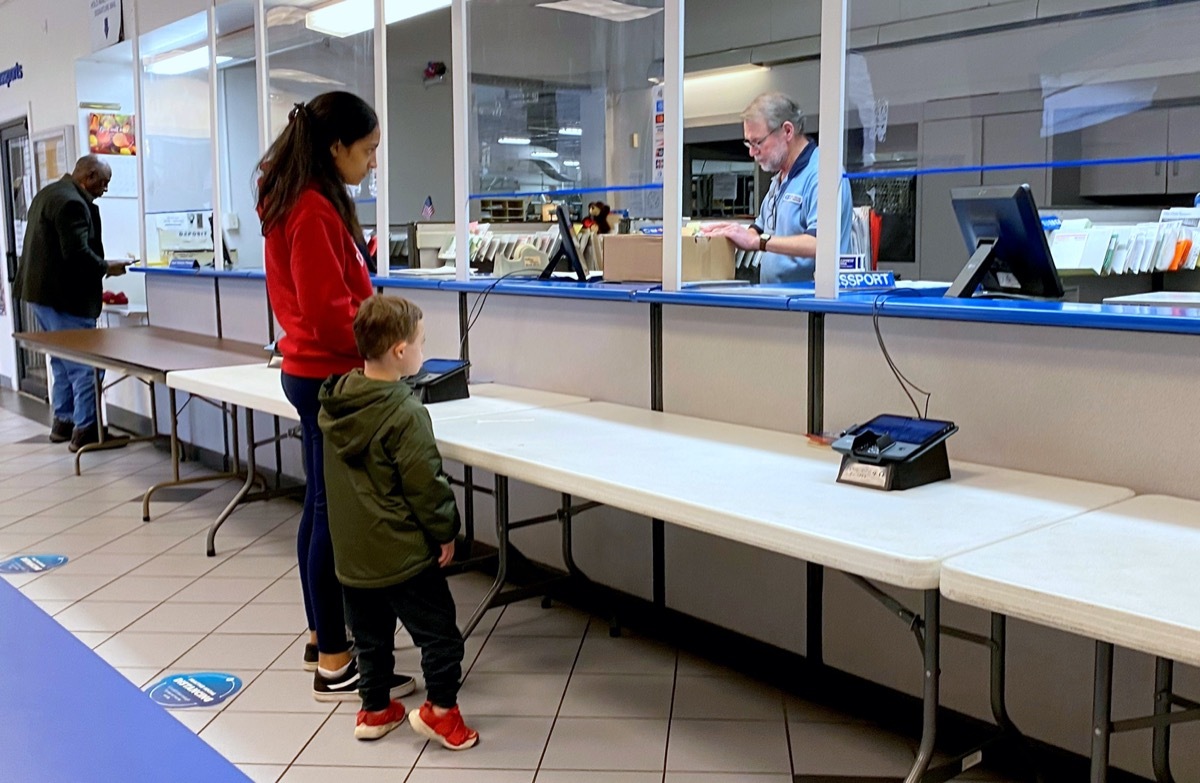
763,239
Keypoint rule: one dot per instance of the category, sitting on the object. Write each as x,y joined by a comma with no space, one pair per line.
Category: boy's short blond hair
383,321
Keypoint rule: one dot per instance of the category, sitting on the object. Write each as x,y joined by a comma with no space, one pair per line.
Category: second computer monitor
1003,232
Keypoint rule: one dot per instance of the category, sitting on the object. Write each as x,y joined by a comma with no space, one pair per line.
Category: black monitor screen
1010,255
567,251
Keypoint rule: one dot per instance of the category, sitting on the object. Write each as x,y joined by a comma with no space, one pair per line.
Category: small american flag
427,209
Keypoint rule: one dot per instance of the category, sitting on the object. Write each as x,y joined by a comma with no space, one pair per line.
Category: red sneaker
373,725
448,729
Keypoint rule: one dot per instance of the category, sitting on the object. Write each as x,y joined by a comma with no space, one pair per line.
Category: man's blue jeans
74,394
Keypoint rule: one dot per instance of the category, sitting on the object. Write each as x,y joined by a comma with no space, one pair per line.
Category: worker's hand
447,555
117,268
742,237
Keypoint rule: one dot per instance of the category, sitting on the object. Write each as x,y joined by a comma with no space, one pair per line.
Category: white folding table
777,491
258,388
1124,575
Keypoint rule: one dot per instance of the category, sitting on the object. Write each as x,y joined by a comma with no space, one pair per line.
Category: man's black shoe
61,430
83,436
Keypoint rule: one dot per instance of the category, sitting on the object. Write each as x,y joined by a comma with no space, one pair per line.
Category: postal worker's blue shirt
790,209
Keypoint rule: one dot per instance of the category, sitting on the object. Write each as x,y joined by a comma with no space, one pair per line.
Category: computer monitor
566,249
1009,253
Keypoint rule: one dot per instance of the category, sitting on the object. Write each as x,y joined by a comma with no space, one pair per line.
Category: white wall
237,96
420,123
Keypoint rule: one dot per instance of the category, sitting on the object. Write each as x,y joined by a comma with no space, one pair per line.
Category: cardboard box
630,258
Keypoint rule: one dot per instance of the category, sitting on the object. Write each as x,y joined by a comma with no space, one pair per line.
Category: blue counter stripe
567,192
1057,164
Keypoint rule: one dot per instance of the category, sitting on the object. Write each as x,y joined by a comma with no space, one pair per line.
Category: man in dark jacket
60,276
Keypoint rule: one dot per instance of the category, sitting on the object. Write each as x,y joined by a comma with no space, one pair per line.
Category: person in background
316,279
393,520
785,233
61,277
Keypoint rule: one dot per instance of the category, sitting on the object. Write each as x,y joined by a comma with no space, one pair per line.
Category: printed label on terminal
853,280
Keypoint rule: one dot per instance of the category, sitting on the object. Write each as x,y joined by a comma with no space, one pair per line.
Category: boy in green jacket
393,520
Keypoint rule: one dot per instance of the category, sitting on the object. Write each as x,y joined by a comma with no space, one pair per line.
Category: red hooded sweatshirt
316,279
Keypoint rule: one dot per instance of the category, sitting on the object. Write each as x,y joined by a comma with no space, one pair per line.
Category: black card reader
894,452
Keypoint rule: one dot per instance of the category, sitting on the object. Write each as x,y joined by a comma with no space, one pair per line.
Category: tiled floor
555,699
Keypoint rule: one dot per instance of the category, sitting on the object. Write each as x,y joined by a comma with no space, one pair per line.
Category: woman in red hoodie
316,279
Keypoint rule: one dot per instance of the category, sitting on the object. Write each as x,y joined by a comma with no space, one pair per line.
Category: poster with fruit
111,134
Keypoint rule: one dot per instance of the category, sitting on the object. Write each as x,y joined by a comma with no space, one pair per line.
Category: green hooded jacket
390,504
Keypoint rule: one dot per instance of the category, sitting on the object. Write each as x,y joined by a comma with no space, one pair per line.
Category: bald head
92,174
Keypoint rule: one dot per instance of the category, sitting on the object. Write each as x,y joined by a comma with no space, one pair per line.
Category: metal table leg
1164,675
1102,712
501,498
176,480
251,477
933,644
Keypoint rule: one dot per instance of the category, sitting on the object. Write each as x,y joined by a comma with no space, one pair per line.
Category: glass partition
177,143
318,47
753,176
563,113
1097,113
420,133
238,134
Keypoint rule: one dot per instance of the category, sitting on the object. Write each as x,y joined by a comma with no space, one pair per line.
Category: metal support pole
816,373
464,325
658,533
1102,712
469,504
174,437
814,645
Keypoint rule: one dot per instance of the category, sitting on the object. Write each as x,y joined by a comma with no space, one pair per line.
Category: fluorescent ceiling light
304,77
570,163
183,62
610,10
349,17
512,140
732,70
570,131
543,154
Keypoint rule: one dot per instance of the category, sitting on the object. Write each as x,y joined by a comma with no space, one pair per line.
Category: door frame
10,130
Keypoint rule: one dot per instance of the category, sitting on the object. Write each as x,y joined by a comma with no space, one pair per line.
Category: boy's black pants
426,608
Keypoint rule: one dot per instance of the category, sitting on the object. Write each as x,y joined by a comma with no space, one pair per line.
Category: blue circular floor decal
31,564
199,689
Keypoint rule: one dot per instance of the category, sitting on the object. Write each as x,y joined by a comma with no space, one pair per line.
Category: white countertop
1125,575
1158,299
257,386
768,489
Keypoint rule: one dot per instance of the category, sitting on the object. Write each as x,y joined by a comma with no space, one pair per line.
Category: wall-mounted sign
107,27
201,689
10,75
